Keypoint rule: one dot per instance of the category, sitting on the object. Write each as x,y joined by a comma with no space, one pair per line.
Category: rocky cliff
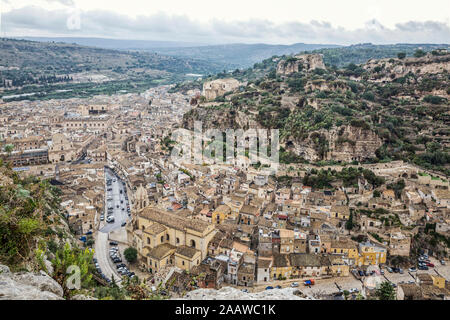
28,286
306,62
229,293
387,70
31,286
216,88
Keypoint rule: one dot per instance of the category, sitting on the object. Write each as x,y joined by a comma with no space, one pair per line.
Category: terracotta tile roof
186,251
161,251
173,220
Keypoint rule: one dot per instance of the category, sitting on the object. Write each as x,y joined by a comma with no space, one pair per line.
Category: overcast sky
227,21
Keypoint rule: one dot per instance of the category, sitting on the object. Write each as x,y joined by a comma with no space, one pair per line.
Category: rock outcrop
229,293
308,62
216,88
28,286
387,70
352,143
346,143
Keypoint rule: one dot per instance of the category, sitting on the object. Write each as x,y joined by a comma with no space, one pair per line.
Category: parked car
113,243
429,264
381,271
269,288
389,269
413,269
102,217
353,290
110,219
124,224
361,273
400,270
244,290
442,262
423,268
294,284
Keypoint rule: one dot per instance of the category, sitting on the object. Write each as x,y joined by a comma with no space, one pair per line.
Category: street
102,255
328,286
120,215
102,240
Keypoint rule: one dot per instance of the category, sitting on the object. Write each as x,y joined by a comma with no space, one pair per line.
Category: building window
162,239
182,263
167,237
178,240
148,240
192,243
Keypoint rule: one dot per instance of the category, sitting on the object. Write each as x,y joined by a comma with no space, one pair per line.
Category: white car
294,284
353,290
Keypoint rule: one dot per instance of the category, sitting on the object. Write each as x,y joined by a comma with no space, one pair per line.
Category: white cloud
34,20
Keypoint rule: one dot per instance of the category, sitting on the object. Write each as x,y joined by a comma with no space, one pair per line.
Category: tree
386,291
401,55
419,53
376,194
130,254
349,223
64,273
9,149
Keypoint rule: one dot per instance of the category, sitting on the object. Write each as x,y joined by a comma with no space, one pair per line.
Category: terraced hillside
388,109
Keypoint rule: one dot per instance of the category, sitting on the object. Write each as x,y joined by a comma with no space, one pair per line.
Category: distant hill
233,56
230,56
120,44
31,66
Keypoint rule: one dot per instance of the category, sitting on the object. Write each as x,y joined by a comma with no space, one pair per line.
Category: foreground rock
229,293
28,286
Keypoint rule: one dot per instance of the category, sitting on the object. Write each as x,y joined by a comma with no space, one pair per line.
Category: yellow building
340,212
160,257
220,214
281,267
371,254
186,258
164,237
338,268
346,247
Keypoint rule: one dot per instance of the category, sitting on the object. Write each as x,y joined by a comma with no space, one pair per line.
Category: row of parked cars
115,256
99,270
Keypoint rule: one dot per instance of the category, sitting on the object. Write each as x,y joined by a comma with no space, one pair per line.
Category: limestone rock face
391,69
307,61
352,143
216,88
346,143
229,293
28,286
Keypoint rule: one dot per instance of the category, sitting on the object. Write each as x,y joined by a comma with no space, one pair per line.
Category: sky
233,21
